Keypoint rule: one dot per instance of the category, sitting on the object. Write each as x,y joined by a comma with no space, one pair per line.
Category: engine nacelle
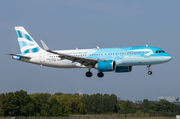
120,69
107,65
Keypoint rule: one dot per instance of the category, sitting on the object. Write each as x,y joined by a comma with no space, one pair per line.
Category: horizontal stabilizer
20,56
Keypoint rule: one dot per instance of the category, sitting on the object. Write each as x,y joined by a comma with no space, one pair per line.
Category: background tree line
20,103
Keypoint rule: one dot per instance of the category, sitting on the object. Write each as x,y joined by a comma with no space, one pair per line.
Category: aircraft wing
83,60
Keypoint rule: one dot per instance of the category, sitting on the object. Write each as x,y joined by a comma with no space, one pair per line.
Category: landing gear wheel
149,72
88,74
100,74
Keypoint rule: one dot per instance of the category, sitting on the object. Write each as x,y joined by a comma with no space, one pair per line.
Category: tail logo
26,42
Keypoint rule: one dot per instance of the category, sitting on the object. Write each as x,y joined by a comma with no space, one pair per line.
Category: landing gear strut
100,74
149,72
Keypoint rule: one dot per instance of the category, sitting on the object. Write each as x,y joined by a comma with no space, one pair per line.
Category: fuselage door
42,58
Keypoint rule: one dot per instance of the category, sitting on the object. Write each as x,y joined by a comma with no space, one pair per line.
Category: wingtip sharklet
44,45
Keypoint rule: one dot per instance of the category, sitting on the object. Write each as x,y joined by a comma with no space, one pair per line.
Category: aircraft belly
61,64
130,61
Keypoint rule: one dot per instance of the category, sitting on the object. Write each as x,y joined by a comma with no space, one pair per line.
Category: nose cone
168,57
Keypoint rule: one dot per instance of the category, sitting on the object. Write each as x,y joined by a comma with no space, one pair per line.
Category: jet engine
107,65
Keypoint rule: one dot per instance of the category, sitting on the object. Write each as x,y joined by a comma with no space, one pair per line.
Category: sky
67,24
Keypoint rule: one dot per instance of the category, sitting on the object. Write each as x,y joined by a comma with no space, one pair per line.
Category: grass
147,118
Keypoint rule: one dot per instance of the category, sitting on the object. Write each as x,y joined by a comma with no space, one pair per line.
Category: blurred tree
58,93
71,103
9,105
42,103
56,108
98,103
176,108
148,106
1,110
20,103
164,106
25,103
126,107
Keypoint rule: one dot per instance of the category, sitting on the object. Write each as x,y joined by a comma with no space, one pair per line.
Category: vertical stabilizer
26,42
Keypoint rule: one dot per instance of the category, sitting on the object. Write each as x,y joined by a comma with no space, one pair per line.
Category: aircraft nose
168,57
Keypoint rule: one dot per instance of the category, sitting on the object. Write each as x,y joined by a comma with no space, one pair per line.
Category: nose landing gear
149,72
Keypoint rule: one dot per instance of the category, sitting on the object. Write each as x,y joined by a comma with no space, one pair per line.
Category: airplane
119,60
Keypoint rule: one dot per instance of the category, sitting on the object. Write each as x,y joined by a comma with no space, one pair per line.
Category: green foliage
42,104
98,103
71,104
25,103
164,106
16,104
56,108
20,103
126,107
148,106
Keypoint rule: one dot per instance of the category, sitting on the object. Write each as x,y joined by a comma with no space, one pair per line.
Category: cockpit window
160,51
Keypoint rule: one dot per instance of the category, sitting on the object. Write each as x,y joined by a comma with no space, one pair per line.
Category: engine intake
107,65
120,69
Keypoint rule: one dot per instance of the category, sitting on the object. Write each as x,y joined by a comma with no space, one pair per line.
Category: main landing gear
100,74
89,74
149,72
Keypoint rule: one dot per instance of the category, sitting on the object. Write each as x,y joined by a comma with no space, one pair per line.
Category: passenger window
159,51
156,51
